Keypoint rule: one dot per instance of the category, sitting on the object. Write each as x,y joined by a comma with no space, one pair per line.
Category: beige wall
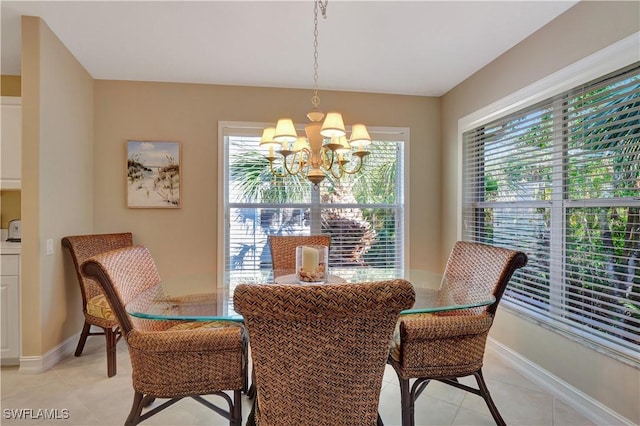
186,239
57,183
9,207
10,85
581,31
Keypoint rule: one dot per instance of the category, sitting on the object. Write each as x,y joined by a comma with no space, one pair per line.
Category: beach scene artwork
153,174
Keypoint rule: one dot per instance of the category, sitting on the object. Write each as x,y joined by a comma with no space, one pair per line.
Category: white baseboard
40,364
576,399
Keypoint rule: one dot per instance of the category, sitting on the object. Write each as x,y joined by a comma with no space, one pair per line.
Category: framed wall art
153,174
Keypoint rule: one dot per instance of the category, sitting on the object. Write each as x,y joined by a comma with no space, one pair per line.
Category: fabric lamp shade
300,144
333,125
285,131
359,135
266,140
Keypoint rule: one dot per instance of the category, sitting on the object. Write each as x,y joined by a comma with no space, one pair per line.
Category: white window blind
363,212
560,180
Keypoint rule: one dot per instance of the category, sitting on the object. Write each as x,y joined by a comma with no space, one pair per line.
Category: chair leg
112,339
407,404
251,391
136,408
251,419
148,400
236,413
246,361
484,392
83,338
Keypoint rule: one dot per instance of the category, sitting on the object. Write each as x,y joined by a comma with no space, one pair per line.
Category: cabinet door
9,318
11,143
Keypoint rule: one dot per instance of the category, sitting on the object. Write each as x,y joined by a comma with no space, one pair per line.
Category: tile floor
80,385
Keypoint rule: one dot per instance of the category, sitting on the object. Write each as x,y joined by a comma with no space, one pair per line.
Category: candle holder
312,264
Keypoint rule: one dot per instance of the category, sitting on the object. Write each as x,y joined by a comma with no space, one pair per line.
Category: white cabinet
11,143
10,309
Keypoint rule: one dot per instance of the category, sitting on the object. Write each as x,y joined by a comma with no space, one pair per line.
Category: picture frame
153,174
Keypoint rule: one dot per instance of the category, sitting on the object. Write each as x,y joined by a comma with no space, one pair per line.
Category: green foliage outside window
360,236
578,154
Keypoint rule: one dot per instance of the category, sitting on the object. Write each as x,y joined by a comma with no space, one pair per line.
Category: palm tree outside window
363,213
560,180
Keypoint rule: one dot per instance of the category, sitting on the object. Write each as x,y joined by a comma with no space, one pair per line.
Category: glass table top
197,298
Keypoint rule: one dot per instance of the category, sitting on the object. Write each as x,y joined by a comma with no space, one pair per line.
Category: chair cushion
98,306
191,325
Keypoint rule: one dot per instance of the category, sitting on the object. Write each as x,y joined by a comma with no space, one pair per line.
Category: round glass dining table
197,298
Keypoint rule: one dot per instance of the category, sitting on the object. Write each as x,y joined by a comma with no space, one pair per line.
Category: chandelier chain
315,99
325,149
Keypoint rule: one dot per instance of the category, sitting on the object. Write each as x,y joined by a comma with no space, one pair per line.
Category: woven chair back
482,268
319,351
123,274
82,247
283,250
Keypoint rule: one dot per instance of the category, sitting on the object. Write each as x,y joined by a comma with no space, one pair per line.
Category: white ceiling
401,47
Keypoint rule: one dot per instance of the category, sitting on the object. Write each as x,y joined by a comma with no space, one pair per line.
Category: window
363,213
560,180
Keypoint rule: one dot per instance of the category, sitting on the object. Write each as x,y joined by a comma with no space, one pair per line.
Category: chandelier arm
305,163
327,159
340,172
275,172
356,169
296,157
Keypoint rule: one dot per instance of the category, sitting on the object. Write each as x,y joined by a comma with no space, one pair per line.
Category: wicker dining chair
170,360
448,346
94,305
319,351
283,250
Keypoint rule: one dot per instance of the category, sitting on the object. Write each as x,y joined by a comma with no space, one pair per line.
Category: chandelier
325,149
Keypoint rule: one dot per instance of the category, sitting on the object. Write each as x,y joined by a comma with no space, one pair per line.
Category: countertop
7,247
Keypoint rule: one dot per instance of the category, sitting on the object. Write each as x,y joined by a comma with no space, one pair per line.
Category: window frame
390,133
614,57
